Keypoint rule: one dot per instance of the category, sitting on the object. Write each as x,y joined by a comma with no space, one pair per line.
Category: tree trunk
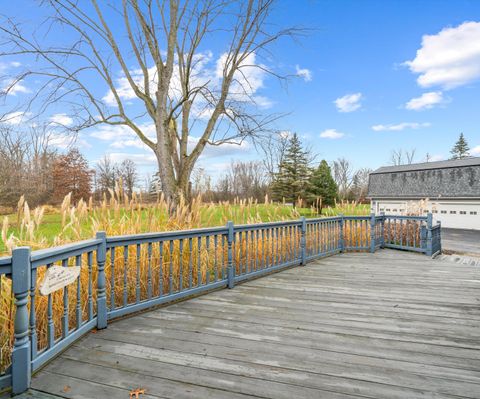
174,188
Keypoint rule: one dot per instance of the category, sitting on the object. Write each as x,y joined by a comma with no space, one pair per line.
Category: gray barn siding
449,182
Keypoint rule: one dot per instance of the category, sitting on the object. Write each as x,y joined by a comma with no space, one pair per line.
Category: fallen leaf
66,388
135,393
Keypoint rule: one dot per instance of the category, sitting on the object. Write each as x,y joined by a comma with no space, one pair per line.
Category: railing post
341,242
429,235
430,221
303,241
21,354
101,286
230,269
382,230
372,232
439,236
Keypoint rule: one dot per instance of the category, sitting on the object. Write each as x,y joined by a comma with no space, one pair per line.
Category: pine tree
291,182
322,185
460,149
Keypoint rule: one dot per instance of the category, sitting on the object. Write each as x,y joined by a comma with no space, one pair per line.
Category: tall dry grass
117,214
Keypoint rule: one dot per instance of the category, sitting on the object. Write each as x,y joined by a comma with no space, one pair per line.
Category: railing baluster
112,278
207,259
238,245
149,272
199,261
247,260
78,308
223,265
180,266
277,254
125,275
137,273
65,327
50,324
160,270
90,285
33,315
170,267
215,261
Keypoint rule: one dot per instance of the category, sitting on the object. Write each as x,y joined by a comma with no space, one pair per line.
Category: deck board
386,325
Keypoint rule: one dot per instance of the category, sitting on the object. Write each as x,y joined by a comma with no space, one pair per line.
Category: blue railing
126,274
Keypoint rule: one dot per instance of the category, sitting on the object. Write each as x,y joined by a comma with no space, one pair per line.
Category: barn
452,188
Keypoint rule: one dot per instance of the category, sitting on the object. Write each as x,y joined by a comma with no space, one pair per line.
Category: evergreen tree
460,149
322,185
291,182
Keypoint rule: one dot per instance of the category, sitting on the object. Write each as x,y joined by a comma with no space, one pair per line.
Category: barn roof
458,178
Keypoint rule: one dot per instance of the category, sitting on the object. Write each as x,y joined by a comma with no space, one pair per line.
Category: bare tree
402,157
128,172
243,180
202,182
106,175
159,48
26,161
273,148
360,183
343,176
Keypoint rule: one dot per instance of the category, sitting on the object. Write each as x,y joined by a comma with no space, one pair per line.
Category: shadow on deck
385,325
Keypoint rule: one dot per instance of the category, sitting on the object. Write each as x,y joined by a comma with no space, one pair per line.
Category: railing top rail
5,265
327,219
404,217
357,217
51,255
162,236
268,224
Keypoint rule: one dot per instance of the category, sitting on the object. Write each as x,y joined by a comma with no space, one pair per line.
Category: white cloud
64,141
14,87
129,143
399,126
304,73
450,58
7,65
349,102
331,134
475,151
121,133
16,118
140,159
61,119
425,101
9,84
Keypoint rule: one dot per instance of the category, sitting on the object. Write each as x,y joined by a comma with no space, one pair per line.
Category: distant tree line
31,166
287,173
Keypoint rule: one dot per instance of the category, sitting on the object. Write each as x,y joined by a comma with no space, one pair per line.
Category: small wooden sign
58,277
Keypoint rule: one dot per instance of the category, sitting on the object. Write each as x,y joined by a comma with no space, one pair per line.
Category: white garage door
455,215
458,215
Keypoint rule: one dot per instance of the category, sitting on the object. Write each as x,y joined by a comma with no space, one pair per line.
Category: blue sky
373,76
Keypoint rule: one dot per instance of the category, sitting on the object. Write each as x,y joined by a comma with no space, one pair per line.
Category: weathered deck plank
384,325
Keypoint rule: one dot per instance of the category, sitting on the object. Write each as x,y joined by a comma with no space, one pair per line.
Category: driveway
461,241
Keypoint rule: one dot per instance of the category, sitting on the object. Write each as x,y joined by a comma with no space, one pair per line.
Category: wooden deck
385,325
